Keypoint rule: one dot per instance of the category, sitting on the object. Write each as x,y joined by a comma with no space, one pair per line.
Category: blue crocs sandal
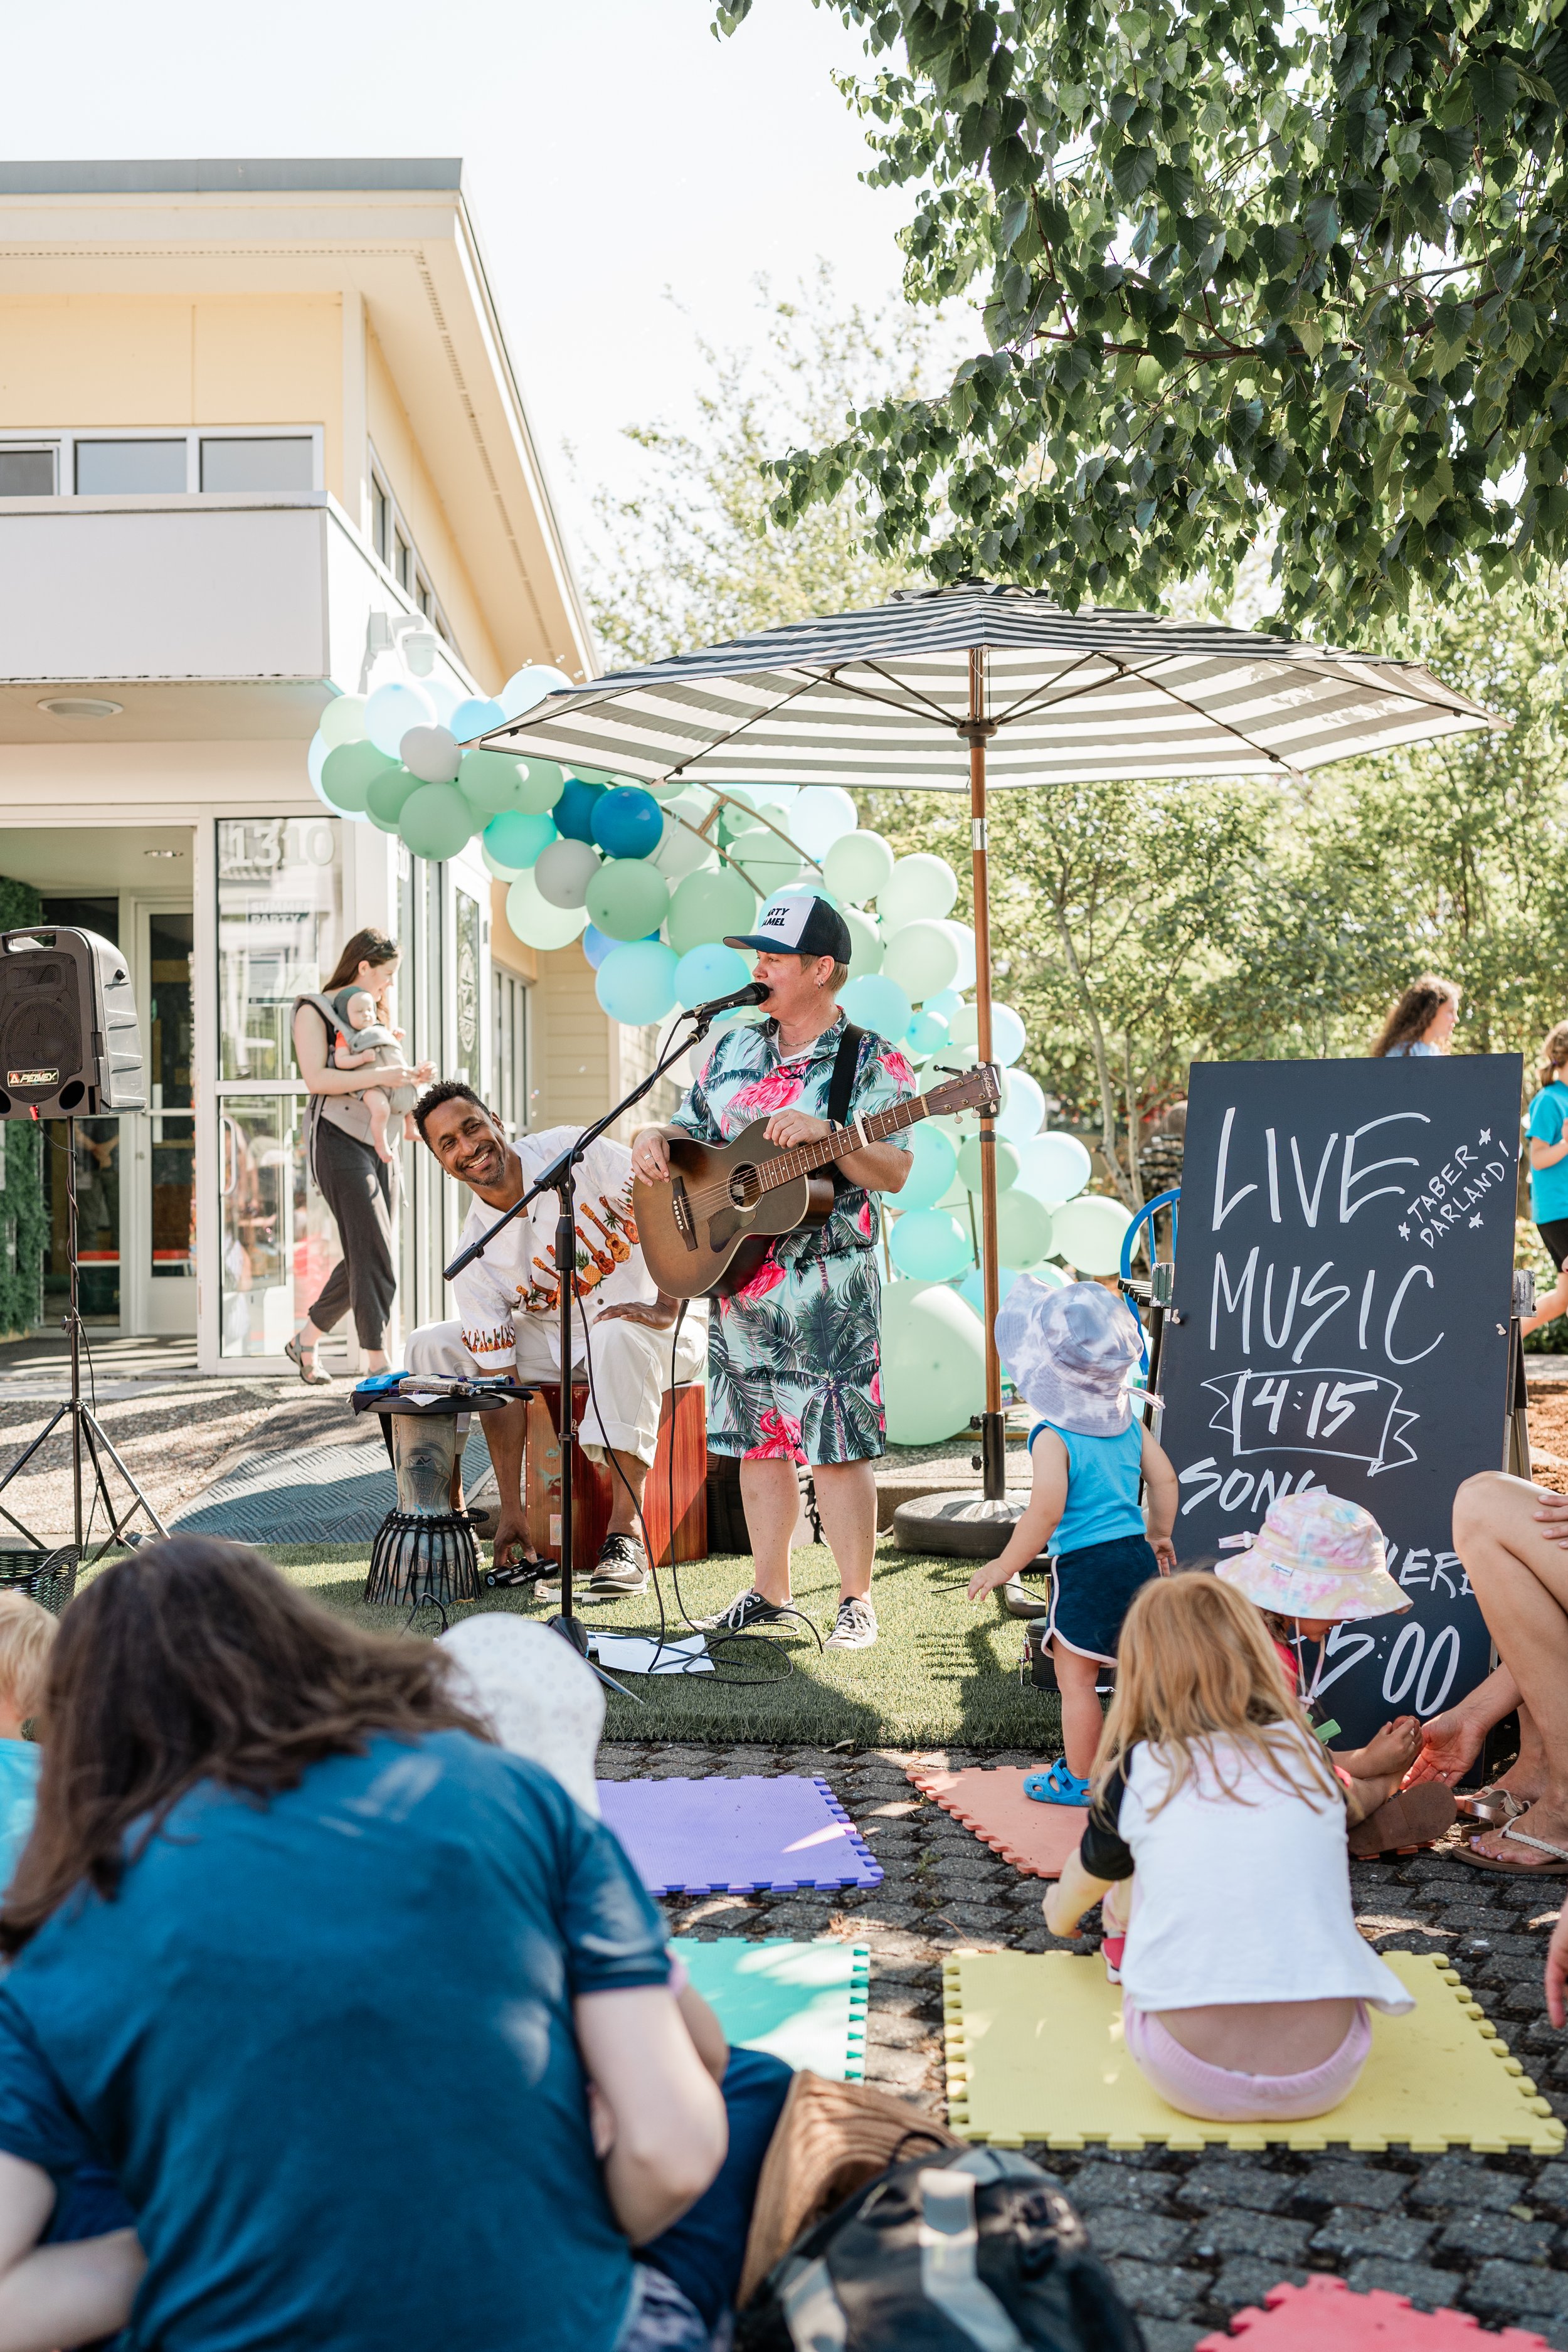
1056,1787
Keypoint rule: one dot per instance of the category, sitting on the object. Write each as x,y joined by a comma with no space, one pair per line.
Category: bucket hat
1315,1556
1071,1353
540,1698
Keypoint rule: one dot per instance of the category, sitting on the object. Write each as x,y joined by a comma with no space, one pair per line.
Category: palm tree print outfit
795,1357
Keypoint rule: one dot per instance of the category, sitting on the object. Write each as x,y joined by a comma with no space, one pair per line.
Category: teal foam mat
804,2002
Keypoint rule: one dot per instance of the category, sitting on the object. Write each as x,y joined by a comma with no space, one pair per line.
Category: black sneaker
746,1613
620,1570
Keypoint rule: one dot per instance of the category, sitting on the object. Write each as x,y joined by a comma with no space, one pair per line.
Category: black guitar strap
840,1088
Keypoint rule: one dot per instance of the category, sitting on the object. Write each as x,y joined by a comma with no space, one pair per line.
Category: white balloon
1088,1233
963,939
536,922
1055,1167
920,890
443,698
527,687
922,959
822,815
681,851
431,755
563,870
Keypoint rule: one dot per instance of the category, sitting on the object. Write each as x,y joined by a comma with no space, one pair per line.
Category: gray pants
356,1185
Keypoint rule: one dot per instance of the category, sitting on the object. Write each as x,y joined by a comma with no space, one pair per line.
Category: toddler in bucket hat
1316,1562
1071,1354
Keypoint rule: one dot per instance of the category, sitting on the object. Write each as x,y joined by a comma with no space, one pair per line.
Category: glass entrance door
160,1271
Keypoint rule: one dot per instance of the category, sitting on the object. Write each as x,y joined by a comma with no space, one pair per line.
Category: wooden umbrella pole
978,729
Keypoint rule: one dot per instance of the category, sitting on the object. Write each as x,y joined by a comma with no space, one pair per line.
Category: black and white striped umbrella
882,698
953,689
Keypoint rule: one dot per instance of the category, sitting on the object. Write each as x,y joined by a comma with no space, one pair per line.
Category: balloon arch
649,877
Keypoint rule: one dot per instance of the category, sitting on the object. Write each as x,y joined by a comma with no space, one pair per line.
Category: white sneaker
855,1627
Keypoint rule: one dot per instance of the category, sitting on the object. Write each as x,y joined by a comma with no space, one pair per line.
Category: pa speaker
68,1040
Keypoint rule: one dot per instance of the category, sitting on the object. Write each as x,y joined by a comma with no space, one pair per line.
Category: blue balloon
880,1004
637,981
573,811
713,971
927,1032
597,945
391,711
933,1164
475,716
972,1287
945,1005
931,1246
628,822
515,840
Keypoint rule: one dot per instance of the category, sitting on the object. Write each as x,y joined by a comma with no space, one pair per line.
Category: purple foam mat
749,1836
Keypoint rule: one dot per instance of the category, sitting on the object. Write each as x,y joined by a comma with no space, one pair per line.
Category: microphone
755,992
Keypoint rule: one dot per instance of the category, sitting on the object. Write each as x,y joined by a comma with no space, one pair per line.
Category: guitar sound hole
742,1187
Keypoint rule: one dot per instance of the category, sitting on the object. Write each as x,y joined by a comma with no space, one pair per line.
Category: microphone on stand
755,992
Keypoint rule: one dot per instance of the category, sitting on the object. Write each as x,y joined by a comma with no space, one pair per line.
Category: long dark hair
1415,1011
369,946
192,1660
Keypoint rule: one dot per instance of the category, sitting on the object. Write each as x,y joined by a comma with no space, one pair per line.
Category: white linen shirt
517,1273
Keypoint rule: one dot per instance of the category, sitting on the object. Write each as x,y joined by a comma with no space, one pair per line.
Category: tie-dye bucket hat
1315,1556
1070,1354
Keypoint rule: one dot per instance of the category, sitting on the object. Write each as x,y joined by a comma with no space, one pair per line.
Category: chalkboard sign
1343,1286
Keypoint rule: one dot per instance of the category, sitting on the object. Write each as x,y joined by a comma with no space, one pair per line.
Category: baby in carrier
364,1037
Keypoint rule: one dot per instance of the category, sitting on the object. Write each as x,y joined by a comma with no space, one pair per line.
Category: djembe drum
425,1550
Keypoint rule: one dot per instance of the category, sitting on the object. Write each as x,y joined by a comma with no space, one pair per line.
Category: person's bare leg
504,1434
1081,1719
1549,1306
1522,1582
770,1494
628,1480
846,1505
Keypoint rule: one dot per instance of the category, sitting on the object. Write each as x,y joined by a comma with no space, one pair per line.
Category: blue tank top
1102,1486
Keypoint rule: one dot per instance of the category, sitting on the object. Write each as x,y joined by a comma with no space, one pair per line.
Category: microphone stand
560,1178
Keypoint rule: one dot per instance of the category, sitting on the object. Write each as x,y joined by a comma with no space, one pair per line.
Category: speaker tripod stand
88,1433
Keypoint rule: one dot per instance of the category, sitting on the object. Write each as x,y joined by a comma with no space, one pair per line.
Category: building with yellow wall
258,420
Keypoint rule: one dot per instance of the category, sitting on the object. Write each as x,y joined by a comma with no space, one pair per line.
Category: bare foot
1392,1749
1549,1822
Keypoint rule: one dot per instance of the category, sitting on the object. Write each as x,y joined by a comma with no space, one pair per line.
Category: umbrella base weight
963,1525
420,1557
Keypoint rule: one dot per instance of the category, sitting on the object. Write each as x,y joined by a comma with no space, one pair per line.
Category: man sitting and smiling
508,1305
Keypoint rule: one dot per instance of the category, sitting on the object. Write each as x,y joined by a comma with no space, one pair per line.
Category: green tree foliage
697,557
1246,268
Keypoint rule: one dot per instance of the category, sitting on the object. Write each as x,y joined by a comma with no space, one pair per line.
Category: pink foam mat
1035,1839
1326,2314
749,1835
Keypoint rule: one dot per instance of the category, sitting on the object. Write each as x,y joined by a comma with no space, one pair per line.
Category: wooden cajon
682,1428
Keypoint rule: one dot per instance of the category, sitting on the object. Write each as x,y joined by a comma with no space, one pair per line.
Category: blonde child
1217,1844
1316,1562
26,1635
1071,1354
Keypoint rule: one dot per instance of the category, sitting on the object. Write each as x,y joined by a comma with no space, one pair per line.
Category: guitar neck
838,1142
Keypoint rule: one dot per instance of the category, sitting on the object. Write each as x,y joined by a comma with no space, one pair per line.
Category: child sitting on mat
1316,1562
1071,1353
1245,1983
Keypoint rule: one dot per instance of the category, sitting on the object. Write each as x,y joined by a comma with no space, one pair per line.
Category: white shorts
630,1367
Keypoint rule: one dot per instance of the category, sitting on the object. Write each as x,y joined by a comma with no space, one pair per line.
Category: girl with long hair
1423,1020
292,1939
348,1171
1544,1122
1245,1984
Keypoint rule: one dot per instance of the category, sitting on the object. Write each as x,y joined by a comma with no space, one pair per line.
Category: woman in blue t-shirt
1543,1124
304,1959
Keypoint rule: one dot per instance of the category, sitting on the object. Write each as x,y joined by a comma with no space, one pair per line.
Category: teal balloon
490,781
946,1005
1022,1230
933,1163
435,821
348,773
515,840
973,1287
880,1004
927,1032
971,1163
708,905
575,809
1023,1114
627,898
931,1246
636,982
542,781
386,795
933,1362
712,970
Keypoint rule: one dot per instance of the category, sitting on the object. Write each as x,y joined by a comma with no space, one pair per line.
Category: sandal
1056,1787
309,1371
1557,1868
1496,1807
1410,1818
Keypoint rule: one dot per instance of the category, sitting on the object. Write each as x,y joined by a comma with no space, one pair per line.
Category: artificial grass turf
944,1674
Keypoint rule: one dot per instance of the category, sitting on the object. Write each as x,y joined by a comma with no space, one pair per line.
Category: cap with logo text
802,924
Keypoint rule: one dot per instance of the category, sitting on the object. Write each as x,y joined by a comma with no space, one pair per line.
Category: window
393,544
107,468
379,519
469,946
27,473
508,1082
276,462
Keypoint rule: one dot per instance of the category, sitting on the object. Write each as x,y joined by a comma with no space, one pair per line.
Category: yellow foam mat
1035,2052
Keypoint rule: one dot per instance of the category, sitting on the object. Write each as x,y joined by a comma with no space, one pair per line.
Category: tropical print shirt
746,1077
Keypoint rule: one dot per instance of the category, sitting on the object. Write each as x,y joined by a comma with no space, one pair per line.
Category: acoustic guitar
705,1232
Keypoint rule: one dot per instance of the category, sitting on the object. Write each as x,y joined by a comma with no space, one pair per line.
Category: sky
617,155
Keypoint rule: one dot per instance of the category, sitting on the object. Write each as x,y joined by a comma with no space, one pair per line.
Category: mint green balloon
932,1166
348,773
710,906
437,821
971,1161
385,797
1023,1229
491,782
541,785
514,840
865,941
628,898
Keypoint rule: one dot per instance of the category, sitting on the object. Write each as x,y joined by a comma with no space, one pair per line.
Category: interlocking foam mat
1035,1838
1325,2312
747,1836
1035,2052
804,2002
